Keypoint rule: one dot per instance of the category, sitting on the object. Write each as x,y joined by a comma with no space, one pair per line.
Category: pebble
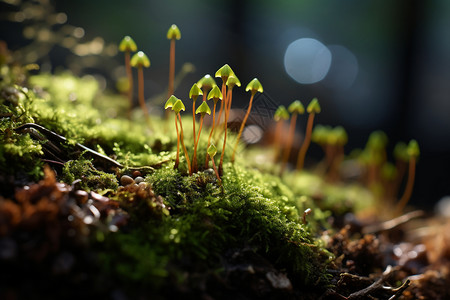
81,196
126,180
139,179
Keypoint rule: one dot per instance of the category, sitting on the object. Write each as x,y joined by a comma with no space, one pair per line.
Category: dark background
390,60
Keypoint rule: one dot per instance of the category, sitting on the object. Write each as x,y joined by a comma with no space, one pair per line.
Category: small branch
388,225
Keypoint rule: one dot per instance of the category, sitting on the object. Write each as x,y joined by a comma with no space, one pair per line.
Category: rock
126,180
139,179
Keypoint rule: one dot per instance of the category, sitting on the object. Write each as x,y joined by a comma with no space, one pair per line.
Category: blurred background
373,65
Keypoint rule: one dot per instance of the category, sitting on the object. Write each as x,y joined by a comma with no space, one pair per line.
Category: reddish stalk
193,117
215,171
130,82
409,186
287,150
172,67
306,142
141,93
242,126
228,94
182,144
211,133
194,159
177,161
277,140
224,94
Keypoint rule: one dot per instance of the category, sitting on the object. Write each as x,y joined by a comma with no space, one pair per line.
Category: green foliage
91,178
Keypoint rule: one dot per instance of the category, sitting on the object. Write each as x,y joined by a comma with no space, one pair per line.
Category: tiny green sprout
177,107
193,94
216,95
253,87
413,152
169,104
281,115
312,109
206,83
127,45
212,150
232,81
139,61
202,110
224,72
295,108
173,34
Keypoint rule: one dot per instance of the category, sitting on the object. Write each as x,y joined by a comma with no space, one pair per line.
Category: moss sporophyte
312,109
173,34
202,110
295,108
224,72
232,81
253,87
216,95
413,153
206,83
169,104
177,107
127,45
193,94
139,61
281,115
212,150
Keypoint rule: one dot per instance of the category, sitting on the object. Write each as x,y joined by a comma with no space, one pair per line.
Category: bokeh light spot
307,60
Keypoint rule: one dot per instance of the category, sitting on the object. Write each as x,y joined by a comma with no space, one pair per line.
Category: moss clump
91,179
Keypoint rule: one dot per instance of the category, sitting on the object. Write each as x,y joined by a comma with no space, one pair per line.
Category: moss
91,178
197,222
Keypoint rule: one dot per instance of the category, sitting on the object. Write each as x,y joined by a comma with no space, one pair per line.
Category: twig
388,225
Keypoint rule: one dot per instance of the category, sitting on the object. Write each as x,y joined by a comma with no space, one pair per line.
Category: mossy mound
182,235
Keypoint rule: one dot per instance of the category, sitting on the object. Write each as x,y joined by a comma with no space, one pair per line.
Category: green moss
91,178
